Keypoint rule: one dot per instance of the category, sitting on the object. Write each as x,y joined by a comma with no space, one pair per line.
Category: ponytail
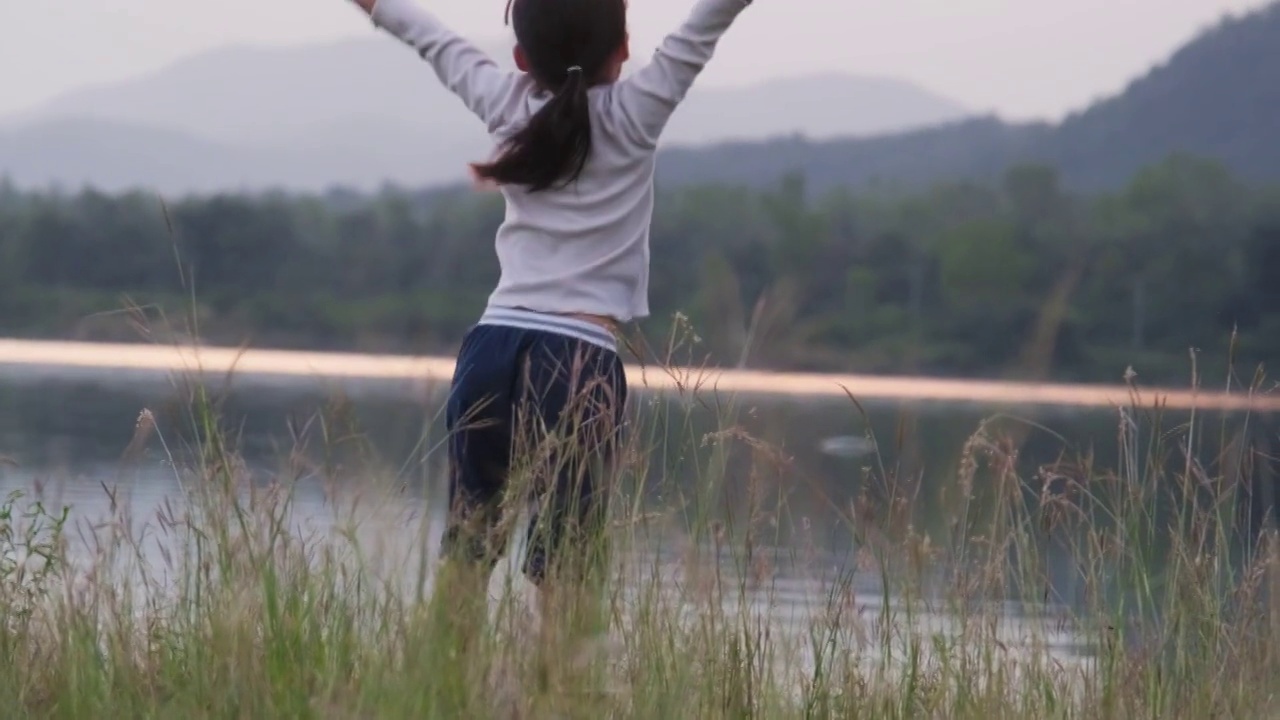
552,149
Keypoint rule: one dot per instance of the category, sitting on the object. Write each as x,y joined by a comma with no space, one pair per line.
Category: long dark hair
567,45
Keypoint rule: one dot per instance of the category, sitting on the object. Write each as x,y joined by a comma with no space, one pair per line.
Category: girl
575,165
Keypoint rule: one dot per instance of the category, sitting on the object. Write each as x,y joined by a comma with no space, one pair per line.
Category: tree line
1017,278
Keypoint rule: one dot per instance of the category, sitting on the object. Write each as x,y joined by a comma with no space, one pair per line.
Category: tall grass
226,604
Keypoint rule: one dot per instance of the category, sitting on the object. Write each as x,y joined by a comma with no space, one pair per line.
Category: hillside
980,148
54,152
244,94
115,156
1217,97
307,118
266,106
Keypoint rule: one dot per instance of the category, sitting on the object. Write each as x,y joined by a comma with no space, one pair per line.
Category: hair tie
575,69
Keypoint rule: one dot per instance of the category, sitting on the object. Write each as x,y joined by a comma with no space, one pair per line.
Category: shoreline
53,355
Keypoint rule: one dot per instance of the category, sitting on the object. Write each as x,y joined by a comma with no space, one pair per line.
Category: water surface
333,425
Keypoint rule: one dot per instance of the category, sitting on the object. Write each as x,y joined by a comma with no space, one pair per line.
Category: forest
1018,278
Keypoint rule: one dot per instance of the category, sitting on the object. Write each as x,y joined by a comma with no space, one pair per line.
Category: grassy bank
227,604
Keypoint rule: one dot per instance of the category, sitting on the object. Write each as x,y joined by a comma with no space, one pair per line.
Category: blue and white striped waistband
558,324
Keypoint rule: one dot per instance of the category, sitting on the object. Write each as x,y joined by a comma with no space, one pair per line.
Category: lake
806,456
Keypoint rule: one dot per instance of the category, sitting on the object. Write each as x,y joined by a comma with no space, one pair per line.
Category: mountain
975,149
362,112
248,94
817,106
116,156
1217,97
310,117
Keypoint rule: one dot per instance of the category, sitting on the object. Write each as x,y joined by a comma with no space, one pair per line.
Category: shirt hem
557,324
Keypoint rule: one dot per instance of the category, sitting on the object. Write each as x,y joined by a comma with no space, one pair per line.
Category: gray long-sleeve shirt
583,248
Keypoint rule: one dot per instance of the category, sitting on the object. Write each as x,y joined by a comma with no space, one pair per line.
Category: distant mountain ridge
364,112
1217,97
296,118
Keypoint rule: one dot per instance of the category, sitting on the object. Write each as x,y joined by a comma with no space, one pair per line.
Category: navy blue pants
532,415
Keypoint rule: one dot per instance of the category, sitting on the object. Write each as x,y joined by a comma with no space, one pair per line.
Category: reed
227,603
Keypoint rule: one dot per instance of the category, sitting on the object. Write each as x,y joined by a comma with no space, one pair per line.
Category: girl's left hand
366,5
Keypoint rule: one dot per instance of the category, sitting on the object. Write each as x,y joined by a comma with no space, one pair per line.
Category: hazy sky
1022,58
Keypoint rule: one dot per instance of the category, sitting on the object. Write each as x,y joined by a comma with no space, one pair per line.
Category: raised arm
487,90
648,97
